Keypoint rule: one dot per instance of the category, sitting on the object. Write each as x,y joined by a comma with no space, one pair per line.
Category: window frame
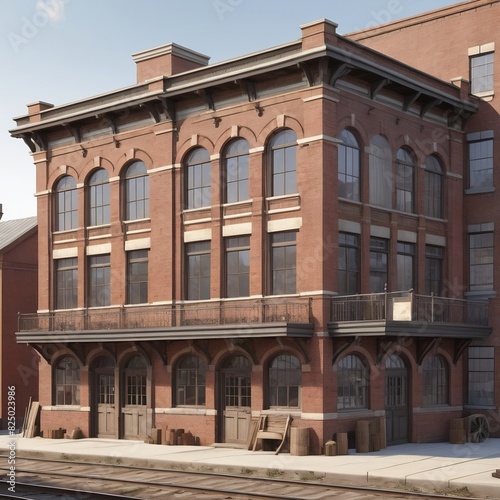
433,188
200,253
405,181
66,204
237,273
98,198
198,182
380,172
286,275
237,171
66,271
357,371
137,280
280,381
375,272
434,266
67,379
349,166
482,85
196,374
99,286
405,261
483,250
475,140
136,191
481,371
435,382
349,253
283,161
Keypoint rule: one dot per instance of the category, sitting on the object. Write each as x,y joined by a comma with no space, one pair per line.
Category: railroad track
38,478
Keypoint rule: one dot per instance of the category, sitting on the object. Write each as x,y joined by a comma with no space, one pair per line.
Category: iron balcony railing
408,306
170,316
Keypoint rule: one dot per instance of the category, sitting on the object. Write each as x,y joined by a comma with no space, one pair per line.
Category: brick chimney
167,60
318,34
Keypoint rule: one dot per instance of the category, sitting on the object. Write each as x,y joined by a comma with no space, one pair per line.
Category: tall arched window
98,198
66,204
198,182
352,383
283,151
433,189
236,171
435,381
190,381
405,181
349,166
285,381
136,191
67,382
380,172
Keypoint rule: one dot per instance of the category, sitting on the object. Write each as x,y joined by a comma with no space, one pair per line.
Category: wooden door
236,403
105,417
396,400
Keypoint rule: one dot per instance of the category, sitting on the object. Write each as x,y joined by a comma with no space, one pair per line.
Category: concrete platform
440,467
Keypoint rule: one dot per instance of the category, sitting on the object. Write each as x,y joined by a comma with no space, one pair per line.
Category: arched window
433,189
285,380
352,383
99,202
67,381
136,381
66,204
136,191
405,181
190,381
435,381
349,166
236,171
283,151
198,182
380,172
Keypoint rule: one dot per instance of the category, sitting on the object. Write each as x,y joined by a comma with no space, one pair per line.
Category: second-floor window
66,204
480,145
137,277
481,261
66,283
348,264
198,270
238,266
99,202
405,266
379,262
283,263
434,269
99,281
136,191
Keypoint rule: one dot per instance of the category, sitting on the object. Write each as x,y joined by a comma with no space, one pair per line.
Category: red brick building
282,232
18,293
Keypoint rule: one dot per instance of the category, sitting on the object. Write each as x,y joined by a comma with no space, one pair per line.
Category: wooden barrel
383,432
375,441
362,436
299,441
342,445
330,448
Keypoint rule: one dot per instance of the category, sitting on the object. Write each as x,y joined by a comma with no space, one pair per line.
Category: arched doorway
136,398
396,400
104,398
235,377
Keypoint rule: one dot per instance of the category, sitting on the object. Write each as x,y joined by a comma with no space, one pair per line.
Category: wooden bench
273,427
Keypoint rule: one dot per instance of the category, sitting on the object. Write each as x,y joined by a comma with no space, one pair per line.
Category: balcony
406,313
215,319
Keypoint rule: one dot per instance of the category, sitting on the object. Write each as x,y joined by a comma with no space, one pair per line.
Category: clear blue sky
60,51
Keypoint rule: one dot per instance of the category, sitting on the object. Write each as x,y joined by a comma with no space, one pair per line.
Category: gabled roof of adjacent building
12,230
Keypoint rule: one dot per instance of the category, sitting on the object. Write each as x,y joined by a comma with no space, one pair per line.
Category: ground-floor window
481,375
285,380
67,381
190,381
352,383
435,381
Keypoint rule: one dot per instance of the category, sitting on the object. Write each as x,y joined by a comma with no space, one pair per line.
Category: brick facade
315,88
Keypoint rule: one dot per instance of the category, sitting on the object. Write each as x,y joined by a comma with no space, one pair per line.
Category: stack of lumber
29,429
